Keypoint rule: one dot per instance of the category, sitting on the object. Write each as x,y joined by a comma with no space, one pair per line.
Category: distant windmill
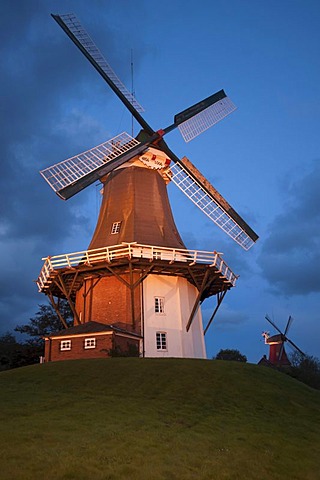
277,353
137,271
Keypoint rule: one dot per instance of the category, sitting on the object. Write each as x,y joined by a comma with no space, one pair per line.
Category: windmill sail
192,121
295,346
198,118
273,324
72,25
192,183
74,174
73,28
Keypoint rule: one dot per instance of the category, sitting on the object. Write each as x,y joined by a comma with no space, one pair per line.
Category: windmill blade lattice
192,122
73,24
208,204
69,172
202,121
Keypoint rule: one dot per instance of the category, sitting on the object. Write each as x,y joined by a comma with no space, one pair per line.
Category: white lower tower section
167,304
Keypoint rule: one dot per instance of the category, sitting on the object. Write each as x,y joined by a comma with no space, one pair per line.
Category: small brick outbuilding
91,340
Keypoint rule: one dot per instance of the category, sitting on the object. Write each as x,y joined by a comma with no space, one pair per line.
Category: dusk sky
264,158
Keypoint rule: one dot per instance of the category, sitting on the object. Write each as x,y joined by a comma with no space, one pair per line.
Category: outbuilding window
65,345
89,343
161,340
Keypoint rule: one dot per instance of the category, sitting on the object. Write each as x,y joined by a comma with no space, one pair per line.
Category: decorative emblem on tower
155,159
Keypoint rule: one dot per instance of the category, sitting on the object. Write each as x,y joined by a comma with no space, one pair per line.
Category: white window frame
159,305
116,226
65,345
161,341
90,343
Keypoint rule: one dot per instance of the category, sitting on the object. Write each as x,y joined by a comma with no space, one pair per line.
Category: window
159,304
161,340
65,345
89,343
115,228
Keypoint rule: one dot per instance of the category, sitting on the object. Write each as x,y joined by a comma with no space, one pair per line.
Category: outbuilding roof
92,327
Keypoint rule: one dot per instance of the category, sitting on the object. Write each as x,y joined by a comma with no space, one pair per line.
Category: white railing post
68,260
48,259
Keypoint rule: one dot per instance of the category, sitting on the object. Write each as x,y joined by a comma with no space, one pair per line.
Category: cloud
44,120
226,317
290,255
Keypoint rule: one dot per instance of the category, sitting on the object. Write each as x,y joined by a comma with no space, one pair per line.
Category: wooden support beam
56,308
211,282
60,283
220,297
128,284
88,312
193,278
196,303
133,320
73,281
144,275
118,276
92,285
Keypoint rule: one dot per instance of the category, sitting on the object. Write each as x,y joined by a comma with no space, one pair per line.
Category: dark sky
264,158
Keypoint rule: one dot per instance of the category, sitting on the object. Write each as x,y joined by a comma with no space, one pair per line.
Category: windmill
137,272
277,353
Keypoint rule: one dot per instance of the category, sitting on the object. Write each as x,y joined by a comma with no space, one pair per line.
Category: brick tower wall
108,301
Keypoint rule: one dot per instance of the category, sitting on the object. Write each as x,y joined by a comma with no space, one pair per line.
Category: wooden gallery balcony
206,270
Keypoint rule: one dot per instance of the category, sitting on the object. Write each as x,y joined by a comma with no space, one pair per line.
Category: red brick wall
109,302
123,343
104,343
53,352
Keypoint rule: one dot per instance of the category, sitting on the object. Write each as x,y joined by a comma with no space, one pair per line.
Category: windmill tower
277,353
137,275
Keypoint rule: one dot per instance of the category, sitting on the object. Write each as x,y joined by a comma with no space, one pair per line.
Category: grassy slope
157,419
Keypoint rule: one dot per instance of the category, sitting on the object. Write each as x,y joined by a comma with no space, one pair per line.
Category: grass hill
163,419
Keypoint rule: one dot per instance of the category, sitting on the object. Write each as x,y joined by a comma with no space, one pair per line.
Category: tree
45,322
230,354
12,353
306,369
15,353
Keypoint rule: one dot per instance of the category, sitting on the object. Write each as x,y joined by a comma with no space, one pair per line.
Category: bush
230,354
131,351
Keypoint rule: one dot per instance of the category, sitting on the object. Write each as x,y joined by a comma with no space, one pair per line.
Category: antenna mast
132,89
